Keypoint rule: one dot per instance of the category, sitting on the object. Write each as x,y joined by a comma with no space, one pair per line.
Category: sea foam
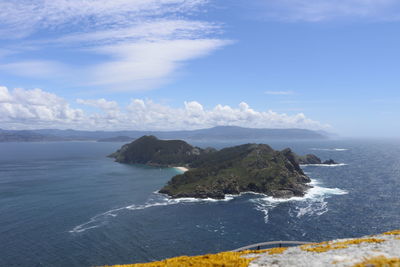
155,200
324,165
329,149
312,203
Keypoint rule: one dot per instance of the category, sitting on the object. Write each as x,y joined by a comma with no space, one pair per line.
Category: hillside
246,168
152,151
213,174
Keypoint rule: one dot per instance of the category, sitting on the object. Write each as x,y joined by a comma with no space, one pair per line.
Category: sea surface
67,204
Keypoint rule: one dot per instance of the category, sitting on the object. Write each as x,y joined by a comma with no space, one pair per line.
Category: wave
313,202
155,200
96,221
329,149
324,165
165,201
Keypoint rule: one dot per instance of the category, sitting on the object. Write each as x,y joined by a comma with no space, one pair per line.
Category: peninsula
212,174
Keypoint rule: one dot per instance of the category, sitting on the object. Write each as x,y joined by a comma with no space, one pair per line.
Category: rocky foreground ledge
368,251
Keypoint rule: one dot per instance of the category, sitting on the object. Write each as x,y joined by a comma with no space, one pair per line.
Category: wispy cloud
34,69
20,109
139,44
139,65
23,17
326,10
279,92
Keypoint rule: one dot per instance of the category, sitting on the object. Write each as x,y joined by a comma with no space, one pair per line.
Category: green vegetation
245,168
152,151
213,174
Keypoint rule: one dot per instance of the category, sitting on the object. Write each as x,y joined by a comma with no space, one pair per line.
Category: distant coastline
219,133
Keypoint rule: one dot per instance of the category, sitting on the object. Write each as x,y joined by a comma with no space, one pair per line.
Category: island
215,173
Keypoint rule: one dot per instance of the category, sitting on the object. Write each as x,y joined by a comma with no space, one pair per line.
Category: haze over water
67,204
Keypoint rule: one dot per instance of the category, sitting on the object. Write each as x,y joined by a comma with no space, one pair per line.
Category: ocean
67,204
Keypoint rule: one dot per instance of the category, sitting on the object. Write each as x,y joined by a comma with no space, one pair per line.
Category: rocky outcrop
378,250
372,251
329,162
308,159
312,159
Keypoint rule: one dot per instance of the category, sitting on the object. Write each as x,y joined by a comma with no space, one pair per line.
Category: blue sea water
67,204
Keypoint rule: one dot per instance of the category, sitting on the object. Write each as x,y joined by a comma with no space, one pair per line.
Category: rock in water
308,159
330,162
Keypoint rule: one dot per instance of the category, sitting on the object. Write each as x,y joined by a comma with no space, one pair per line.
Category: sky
329,65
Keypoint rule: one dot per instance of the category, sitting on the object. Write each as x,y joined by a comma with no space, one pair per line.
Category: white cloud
23,17
279,92
27,108
99,103
325,10
36,108
144,64
150,30
135,44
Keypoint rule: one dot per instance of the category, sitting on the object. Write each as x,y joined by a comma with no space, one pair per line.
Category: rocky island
310,159
212,174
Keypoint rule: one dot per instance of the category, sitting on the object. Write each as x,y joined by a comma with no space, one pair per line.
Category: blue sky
187,64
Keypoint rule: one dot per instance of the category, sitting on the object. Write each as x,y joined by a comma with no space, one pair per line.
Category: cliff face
245,168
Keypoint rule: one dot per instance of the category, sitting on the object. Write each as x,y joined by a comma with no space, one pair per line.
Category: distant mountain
117,139
211,134
25,136
238,133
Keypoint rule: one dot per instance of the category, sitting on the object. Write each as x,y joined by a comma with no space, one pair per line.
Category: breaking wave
329,149
324,165
313,202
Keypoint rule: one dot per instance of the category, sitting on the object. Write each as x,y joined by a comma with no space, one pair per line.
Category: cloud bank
24,109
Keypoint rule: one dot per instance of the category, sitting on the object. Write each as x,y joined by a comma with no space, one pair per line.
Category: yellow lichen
272,251
231,259
379,261
395,232
245,252
226,259
326,246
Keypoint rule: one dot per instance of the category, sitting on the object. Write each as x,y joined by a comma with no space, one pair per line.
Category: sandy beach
182,169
